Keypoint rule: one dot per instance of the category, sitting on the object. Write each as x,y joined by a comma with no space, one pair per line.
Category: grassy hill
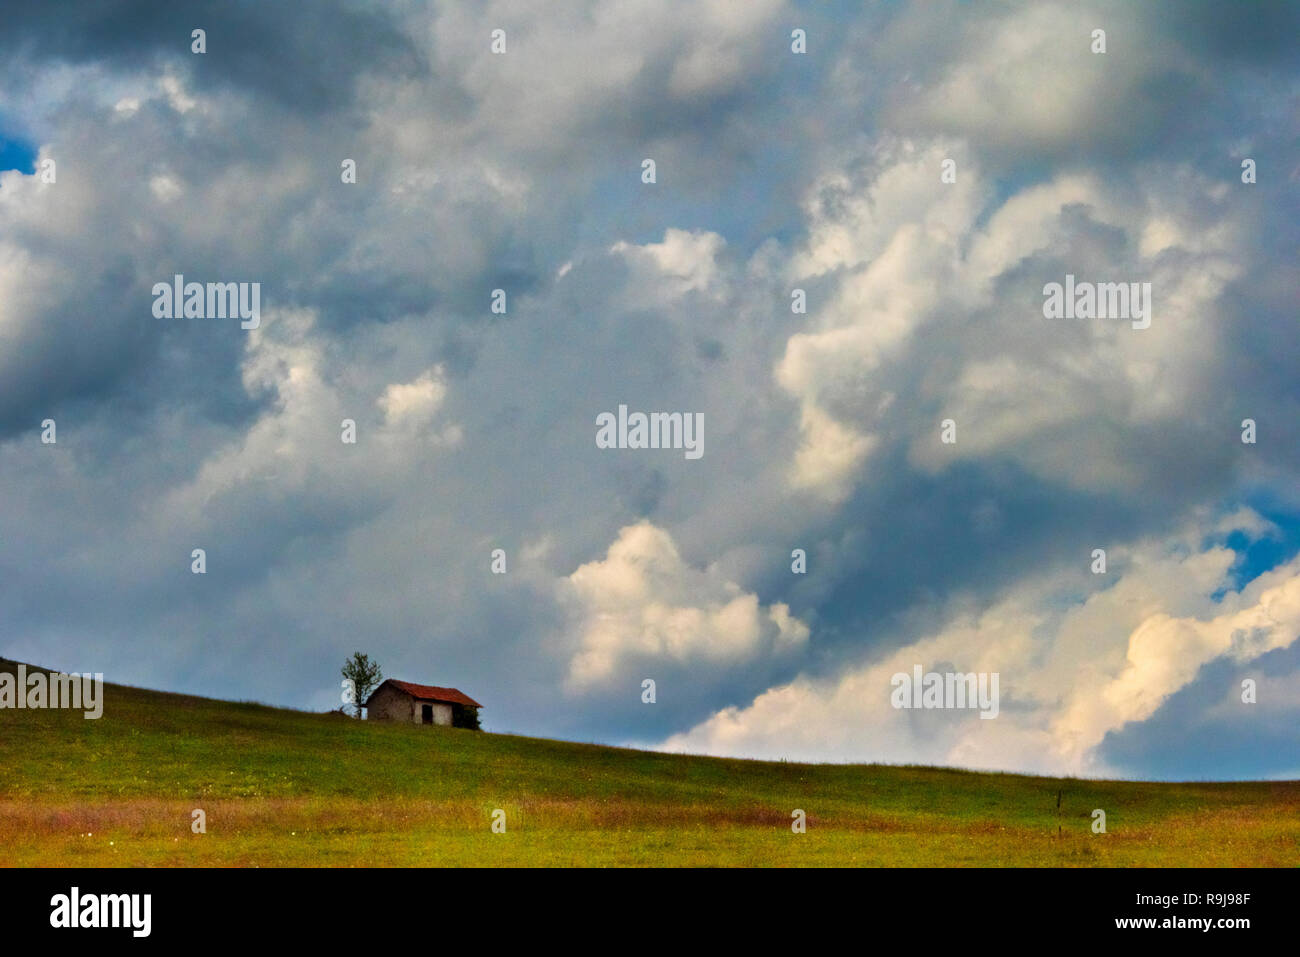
287,788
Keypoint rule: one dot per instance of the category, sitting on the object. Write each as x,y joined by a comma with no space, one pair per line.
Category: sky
944,456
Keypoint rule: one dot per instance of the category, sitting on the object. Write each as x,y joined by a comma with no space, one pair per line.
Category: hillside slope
281,787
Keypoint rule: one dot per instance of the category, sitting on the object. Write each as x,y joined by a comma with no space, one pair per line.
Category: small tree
364,675
463,716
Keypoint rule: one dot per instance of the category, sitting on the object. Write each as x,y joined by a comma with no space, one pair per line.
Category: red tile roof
430,693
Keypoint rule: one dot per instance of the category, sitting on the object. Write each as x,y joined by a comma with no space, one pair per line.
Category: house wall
389,704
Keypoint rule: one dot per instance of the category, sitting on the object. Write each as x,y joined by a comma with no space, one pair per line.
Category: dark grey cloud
304,60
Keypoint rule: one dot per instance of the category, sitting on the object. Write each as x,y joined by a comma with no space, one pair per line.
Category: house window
426,714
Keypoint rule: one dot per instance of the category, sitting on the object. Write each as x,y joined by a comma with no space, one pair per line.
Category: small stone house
403,701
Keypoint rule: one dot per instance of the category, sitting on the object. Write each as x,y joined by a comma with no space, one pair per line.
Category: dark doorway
426,714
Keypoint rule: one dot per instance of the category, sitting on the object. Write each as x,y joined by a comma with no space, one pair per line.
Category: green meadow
289,788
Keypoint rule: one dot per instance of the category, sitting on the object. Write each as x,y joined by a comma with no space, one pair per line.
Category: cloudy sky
774,171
